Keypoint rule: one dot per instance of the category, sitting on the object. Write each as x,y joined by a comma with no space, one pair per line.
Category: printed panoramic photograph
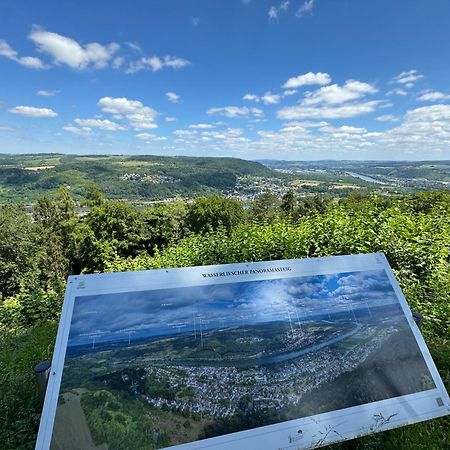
152,369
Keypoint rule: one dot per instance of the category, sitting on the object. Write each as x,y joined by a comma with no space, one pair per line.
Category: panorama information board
291,354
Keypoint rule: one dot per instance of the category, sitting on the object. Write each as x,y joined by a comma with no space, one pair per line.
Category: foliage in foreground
36,256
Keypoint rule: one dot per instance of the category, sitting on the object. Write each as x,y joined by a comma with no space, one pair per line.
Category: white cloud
236,111
305,8
227,134
32,62
289,92
185,132
426,127
225,137
273,13
387,118
44,93
7,51
155,63
284,6
344,129
104,124
138,116
170,119
172,97
83,131
31,111
408,79
434,96
434,113
309,78
327,112
27,61
306,124
251,98
397,91
276,11
67,51
270,99
134,46
118,62
202,126
335,94
150,137
331,102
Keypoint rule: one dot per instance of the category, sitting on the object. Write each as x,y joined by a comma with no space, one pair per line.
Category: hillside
407,175
25,178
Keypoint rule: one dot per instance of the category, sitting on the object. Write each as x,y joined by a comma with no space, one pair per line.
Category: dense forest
24,178
38,250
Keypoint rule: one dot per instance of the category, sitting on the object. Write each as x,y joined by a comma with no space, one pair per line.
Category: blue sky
169,311
291,79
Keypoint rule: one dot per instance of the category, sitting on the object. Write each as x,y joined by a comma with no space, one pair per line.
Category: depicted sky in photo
169,311
276,79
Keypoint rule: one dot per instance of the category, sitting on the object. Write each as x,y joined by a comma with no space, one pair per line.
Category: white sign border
304,433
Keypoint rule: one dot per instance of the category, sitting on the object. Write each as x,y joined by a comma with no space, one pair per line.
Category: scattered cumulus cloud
407,79
199,136
270,99
30,62
434,96
80,131
235,111
118,62
202,126
155,63
150,137
67,51
138,116
306,124
289,92
44,93
306,8
185,132
344,129
332,102
328,112
335,94
387,118
306,79
397,91
251,98
101,124
31,111
170,119
172,97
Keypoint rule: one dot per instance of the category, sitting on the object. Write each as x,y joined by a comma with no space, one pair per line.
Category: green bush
414,234
20,407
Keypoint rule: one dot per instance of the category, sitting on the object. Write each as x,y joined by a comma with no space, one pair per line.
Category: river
365,178
271,359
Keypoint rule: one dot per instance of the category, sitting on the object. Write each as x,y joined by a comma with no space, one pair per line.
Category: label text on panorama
229,273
